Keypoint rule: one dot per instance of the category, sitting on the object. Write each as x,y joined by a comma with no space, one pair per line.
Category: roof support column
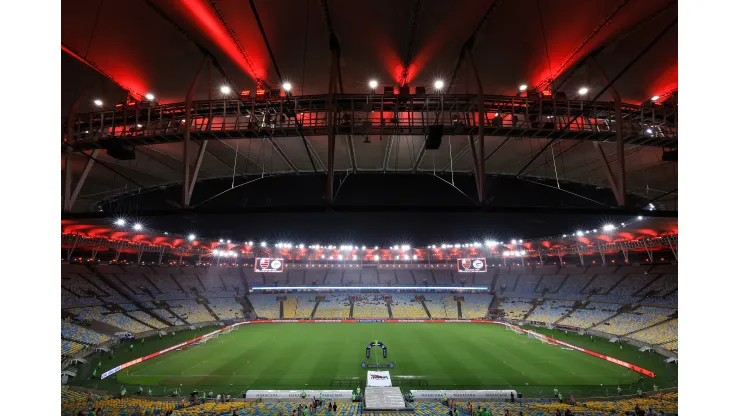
140,252
72,247
609,174
674,250
619,185
161,254
186,188
480,164
67,203
81,181
330,120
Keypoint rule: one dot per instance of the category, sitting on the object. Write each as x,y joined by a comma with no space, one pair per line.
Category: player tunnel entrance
376,344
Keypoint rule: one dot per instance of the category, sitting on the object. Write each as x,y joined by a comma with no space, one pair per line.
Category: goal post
514,329
539,337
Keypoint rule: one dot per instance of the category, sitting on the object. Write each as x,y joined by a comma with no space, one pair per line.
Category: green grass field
449,355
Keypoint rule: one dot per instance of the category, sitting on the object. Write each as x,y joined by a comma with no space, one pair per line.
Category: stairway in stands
577,306
388,305
423,304
115,286
459,309
351,307
316,306
204,302
247,307
535,302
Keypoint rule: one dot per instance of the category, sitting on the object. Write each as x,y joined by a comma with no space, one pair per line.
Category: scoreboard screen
471,265
268,265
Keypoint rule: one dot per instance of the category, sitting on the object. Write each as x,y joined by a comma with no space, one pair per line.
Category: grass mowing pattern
445,355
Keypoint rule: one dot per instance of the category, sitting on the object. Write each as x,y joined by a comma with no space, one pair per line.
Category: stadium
320,207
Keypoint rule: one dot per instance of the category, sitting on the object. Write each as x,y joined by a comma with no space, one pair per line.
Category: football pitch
425,355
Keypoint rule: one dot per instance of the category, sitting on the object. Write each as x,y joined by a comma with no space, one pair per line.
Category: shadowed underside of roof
113,49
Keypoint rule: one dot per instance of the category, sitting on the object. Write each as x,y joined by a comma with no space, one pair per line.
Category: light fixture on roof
221,241
98,102
565,235
138,227
654,98
228,241
639,218
263,244
582,91
523,87
649,131
287,86
120,222
225,89
439,84
580,233
373,84
191,237
608,227
513,241
520,241
249,243
139,126
149,96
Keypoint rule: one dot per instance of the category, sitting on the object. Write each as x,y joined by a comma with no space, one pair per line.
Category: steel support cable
192,40
94,29
581,45
333,41
544,40
234,39
291,111
609,42
403,79
75,54
609,85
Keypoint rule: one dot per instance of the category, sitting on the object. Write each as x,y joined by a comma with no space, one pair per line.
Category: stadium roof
643,229
115,50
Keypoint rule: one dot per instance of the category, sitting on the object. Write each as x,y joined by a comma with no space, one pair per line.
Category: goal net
515,330
539,337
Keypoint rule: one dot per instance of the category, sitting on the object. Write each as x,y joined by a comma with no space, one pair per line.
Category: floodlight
263,244
565,235
149,96
139,126
439,84
373,84
120,222
579,233
639,218
221,240
287,86
225,89
608,227
649,131
191,237
415,257
654,98
249,243
138,226
98,102
582,91
523,87
520,241
513,241
377,257
228,241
